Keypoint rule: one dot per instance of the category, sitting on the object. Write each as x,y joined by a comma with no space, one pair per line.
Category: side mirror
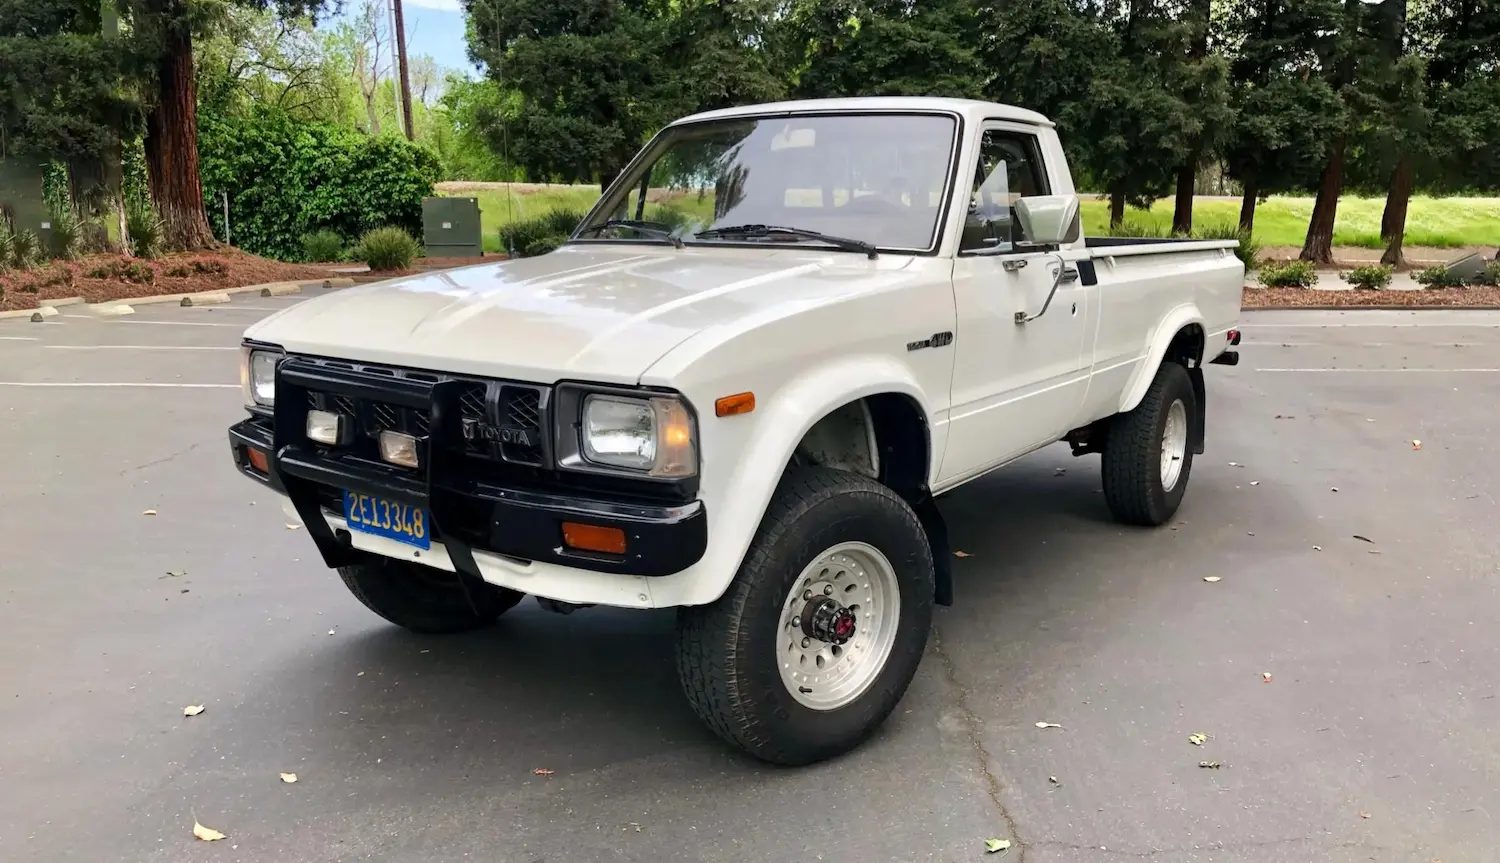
1048,220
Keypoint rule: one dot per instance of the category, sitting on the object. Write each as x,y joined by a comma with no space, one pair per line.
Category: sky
434,28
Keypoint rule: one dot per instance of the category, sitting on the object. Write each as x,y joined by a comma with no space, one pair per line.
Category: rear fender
1181,316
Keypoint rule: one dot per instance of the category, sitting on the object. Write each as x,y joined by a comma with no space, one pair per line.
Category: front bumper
471,514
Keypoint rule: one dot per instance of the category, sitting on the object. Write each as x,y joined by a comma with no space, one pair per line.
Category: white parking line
1387,371
1365,324
17,338
234,307
44,384
180,323
136,348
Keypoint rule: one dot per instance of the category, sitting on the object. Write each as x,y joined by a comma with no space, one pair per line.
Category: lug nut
806,642
807,594
828,590
796,621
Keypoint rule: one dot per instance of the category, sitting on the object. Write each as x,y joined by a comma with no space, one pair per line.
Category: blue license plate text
378,516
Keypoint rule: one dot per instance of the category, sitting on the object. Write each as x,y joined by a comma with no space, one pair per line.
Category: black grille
490,414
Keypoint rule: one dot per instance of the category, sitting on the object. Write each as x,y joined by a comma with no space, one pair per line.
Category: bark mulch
97,278
1285,298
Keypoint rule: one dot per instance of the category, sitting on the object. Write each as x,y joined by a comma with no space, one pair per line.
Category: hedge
287,179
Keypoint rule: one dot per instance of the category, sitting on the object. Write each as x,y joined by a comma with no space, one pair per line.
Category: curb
203,298
112,310
17,313
206,298
41,313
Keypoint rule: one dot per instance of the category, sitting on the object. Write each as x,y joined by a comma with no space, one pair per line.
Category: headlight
652,435
258,376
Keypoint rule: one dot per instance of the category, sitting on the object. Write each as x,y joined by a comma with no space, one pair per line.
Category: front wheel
424,599
1148,452
815,641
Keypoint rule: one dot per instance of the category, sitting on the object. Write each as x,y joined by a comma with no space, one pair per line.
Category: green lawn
1438,222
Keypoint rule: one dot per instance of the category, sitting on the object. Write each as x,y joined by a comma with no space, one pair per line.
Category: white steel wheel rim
1173,445
822,675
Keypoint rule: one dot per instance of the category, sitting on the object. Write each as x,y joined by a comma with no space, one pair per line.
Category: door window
1009,167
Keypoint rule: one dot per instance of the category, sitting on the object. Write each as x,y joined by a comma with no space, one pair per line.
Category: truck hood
600,313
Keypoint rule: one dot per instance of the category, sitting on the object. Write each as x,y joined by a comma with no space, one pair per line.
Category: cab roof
970,109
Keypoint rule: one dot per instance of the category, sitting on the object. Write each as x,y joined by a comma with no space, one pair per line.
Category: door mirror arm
1063,274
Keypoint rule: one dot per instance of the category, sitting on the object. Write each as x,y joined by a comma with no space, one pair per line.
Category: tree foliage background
1392,97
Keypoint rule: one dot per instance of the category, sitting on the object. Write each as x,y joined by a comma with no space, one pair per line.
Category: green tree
883,47
1286,109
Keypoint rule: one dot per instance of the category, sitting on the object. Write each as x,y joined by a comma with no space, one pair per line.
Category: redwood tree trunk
1319,245
172,145
1247,205
1182,215
1116,210
1393,222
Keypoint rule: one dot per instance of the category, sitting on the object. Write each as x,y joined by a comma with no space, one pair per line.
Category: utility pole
404,79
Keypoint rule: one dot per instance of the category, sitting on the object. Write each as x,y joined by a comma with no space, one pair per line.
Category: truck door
1015,386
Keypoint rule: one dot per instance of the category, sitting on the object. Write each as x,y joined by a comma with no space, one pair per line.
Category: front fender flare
745,494
1184,315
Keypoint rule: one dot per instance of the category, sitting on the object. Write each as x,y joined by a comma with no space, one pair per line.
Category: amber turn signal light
592,537
740,403
258,459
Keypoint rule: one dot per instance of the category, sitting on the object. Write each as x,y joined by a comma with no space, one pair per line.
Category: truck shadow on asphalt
599,688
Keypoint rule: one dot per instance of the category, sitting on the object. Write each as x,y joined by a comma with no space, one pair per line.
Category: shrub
25,250
287,178
554,226
542,245
181,271
386,249
1297,274
7,248
1438,277
148,233
323,246
130,271
1371,277
1248,251
66,234
210,268
1139,230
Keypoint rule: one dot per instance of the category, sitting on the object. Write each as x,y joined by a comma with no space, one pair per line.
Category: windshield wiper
844,243
656,230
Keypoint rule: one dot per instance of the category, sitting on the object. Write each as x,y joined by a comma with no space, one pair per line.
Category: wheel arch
1181,337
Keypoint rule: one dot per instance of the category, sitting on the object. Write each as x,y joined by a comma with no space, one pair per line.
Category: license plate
368,513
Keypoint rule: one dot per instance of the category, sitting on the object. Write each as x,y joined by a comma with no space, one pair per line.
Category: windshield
875,178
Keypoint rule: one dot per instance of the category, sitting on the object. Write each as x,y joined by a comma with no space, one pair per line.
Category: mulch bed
97,278
1283,298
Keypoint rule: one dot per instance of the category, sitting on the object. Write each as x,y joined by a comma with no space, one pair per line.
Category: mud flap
942,553
1200,411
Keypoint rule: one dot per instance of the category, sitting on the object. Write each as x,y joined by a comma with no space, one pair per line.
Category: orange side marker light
740,403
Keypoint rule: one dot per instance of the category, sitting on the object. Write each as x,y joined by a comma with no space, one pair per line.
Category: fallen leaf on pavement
1235,464
961,554
1335,488
289,778
192,710
1363,538
1288,417
1213,579
330,632
148,512
542,771
173,573
207,834
1315,548
1266,676
1212,765
1197,739
290,526
1416,444
1053,780
993,845
1364,815
1255,482
1062,471
1048,725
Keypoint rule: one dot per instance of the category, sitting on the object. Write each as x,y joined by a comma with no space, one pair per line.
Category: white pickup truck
737,390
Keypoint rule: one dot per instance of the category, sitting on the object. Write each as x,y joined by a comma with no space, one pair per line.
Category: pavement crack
164,459
974,730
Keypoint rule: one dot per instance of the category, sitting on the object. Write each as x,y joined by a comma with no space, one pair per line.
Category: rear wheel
1148,452
815,641
424,599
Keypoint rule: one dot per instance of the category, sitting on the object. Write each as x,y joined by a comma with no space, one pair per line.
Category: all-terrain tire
424,599
1132,462
728,652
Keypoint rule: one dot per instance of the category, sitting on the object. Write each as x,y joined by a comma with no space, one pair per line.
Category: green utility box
451,229
21,201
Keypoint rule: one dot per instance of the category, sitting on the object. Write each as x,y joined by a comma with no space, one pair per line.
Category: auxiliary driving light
325,427
398,448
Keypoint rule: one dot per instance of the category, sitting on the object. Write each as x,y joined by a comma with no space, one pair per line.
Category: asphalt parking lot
1356,569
